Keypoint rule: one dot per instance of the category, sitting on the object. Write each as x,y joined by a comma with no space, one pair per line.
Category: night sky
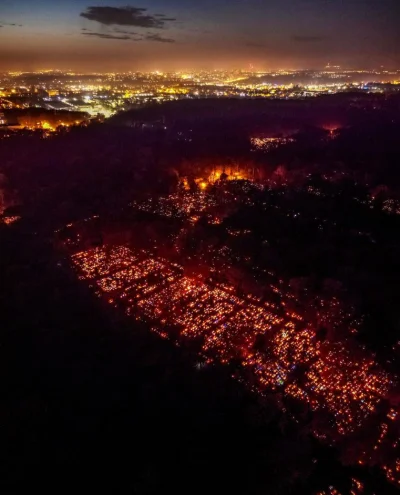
184,34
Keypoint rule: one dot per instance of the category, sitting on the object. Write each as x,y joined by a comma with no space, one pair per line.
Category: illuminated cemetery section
99,262
179,205
324,375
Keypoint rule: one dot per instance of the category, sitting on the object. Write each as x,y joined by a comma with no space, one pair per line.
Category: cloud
12,24
121,31
108,36
125,16
160,39
308,39
165,18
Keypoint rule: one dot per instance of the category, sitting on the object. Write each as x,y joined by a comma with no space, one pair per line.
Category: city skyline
149,35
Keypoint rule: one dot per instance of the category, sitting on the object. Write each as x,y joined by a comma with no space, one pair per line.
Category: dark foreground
92,403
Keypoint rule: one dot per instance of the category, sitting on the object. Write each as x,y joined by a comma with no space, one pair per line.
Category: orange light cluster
268,143
179,205
99,262
347,388
10,220
393,472
357,488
